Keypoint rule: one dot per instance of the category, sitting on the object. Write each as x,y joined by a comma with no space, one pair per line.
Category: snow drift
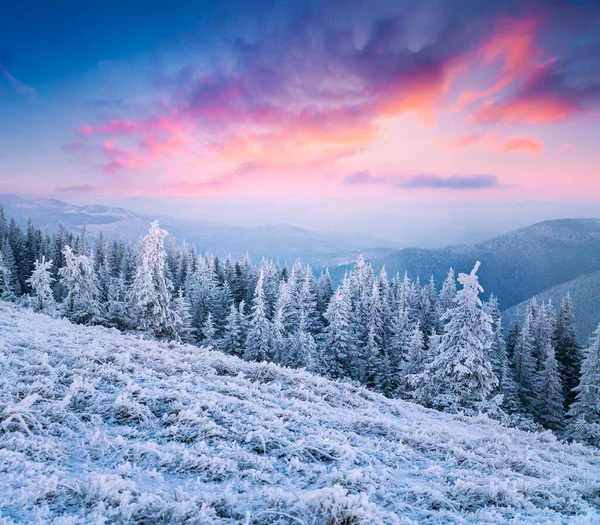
98,427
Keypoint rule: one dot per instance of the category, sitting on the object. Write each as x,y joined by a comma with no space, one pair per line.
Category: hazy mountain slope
585,293
280,242
98,427
515,266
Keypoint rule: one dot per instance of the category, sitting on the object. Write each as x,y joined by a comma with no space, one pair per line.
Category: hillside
99,427
585,293
281,242
516,265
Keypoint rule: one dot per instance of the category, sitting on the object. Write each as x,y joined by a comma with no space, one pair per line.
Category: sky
367,114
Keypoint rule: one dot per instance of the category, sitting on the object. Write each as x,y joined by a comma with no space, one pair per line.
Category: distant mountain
280,242
516,265
585,293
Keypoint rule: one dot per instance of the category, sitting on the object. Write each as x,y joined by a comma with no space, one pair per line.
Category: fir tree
338,342
448,292
584,414
183,326
151,290
567,349
462,372
209,333
258,342
41,284
117,314
413,362
549,405
233,338
524,361
79,279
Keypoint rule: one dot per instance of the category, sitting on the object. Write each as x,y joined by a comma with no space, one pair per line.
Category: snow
100,427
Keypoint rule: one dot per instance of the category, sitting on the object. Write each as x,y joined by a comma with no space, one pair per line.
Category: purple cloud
82,188
454,182
363,177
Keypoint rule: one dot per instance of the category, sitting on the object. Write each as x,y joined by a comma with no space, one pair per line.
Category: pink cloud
492,141
565,147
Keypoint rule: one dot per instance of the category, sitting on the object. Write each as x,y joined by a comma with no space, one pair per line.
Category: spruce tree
151,290
258,343
525,365
79,279
209,333
233,338
41,285
549,400
183,326
568,352
462,373
584,414
338,341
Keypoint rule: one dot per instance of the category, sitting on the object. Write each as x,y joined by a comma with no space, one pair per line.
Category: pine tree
209,333
79,278
549,405
41,284
584,414
117,314
413,362
447,293
338,341
324,291
525,365
151,290
183,327
462,372
6,283
258,342
101,269
401,332
568,353
82,244
233,338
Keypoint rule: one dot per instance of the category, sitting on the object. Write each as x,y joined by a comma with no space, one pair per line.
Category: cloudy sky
340,112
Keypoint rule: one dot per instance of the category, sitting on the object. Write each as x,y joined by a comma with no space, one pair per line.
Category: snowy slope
106,428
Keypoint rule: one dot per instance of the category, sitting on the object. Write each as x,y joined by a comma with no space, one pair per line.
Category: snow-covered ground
99,427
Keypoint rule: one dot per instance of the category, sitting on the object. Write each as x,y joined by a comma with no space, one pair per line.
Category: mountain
279,242
585,293
516,265
101,427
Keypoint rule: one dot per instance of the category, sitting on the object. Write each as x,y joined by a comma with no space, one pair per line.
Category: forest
442,347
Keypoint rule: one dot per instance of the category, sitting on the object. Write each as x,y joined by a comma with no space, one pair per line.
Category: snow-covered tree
233,335
183,326
209,333
462,372
525,365
151,289
117,313
413,362
339,343
6,285
448,292
41,284
568,352
79,278
549,400
258,343
584,414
